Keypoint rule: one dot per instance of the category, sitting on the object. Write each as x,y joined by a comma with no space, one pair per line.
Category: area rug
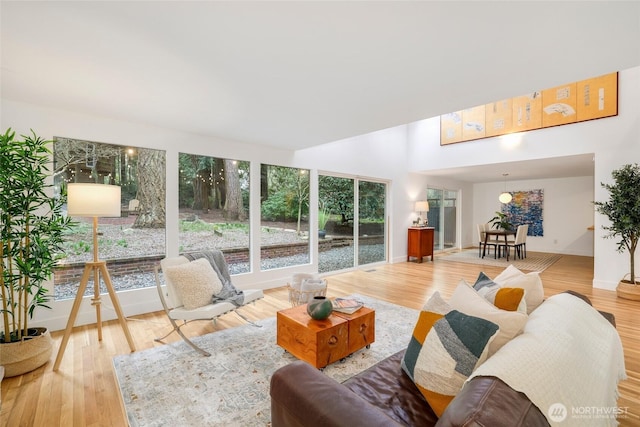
172,385
535,261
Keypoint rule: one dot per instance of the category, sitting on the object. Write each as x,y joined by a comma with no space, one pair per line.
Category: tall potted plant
501,221
623,211
31,232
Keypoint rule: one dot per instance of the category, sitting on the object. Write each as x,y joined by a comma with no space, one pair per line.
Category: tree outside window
137,236
284,213
214,208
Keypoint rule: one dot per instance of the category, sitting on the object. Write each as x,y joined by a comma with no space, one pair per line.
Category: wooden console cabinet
420,243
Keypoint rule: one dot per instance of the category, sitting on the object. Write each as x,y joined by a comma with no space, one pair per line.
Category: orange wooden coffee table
321,342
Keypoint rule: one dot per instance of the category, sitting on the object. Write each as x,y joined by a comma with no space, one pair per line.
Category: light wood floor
84,391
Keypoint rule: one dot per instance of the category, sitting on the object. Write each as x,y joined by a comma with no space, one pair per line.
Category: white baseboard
601,284
133,302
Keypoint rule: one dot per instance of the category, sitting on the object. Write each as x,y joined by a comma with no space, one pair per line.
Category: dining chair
481,236
523,240
519,242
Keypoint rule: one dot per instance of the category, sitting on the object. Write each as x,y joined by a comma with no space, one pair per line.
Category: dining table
497,233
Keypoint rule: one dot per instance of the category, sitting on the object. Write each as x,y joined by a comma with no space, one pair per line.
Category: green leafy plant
196,226
281,206
77,229
77,248
501,221
202,226
623,211
323,216
32,229
232,226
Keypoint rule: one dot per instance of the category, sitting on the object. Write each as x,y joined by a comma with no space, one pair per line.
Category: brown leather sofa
384,395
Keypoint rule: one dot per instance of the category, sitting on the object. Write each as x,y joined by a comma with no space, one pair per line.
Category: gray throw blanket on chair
219,264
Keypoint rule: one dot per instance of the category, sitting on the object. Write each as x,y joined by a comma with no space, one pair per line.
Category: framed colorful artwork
597,97
473,123
526,208
571,103
498,118
559,105
451,128
527,112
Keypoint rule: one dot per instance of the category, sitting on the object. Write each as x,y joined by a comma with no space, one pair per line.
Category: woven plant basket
25,356
627,290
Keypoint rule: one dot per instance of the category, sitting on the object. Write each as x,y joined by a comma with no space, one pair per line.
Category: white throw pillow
511,277
195,282
511,323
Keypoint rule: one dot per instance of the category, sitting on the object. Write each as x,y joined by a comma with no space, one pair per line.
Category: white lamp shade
505,197
93,200
422,206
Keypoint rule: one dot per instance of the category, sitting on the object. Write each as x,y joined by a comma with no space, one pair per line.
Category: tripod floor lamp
93,200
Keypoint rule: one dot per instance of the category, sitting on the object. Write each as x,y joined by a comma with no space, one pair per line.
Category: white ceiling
297,74
552,167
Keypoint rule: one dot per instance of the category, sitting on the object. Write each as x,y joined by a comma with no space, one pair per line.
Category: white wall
384,155
378,156
567,212
402,156
614,141
50,122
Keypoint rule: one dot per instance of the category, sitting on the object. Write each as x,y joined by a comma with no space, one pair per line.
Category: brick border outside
72,272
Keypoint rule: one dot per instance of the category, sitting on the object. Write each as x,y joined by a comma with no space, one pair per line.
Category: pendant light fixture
505,197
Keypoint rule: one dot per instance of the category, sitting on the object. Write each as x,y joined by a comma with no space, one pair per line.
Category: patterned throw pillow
511,299
511,323
445,348
196,282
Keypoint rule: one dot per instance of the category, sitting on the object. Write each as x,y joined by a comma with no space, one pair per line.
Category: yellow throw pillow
511,299
511,277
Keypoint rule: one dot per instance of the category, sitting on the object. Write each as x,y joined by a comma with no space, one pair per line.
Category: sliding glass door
442,216
350,207
372,222
336,249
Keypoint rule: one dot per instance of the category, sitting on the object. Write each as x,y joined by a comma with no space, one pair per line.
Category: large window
136,239
214,208
284,217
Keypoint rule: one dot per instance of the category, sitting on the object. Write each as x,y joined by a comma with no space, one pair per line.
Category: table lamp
422,206
93,200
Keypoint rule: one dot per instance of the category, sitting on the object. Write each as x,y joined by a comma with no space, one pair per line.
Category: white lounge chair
174,307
